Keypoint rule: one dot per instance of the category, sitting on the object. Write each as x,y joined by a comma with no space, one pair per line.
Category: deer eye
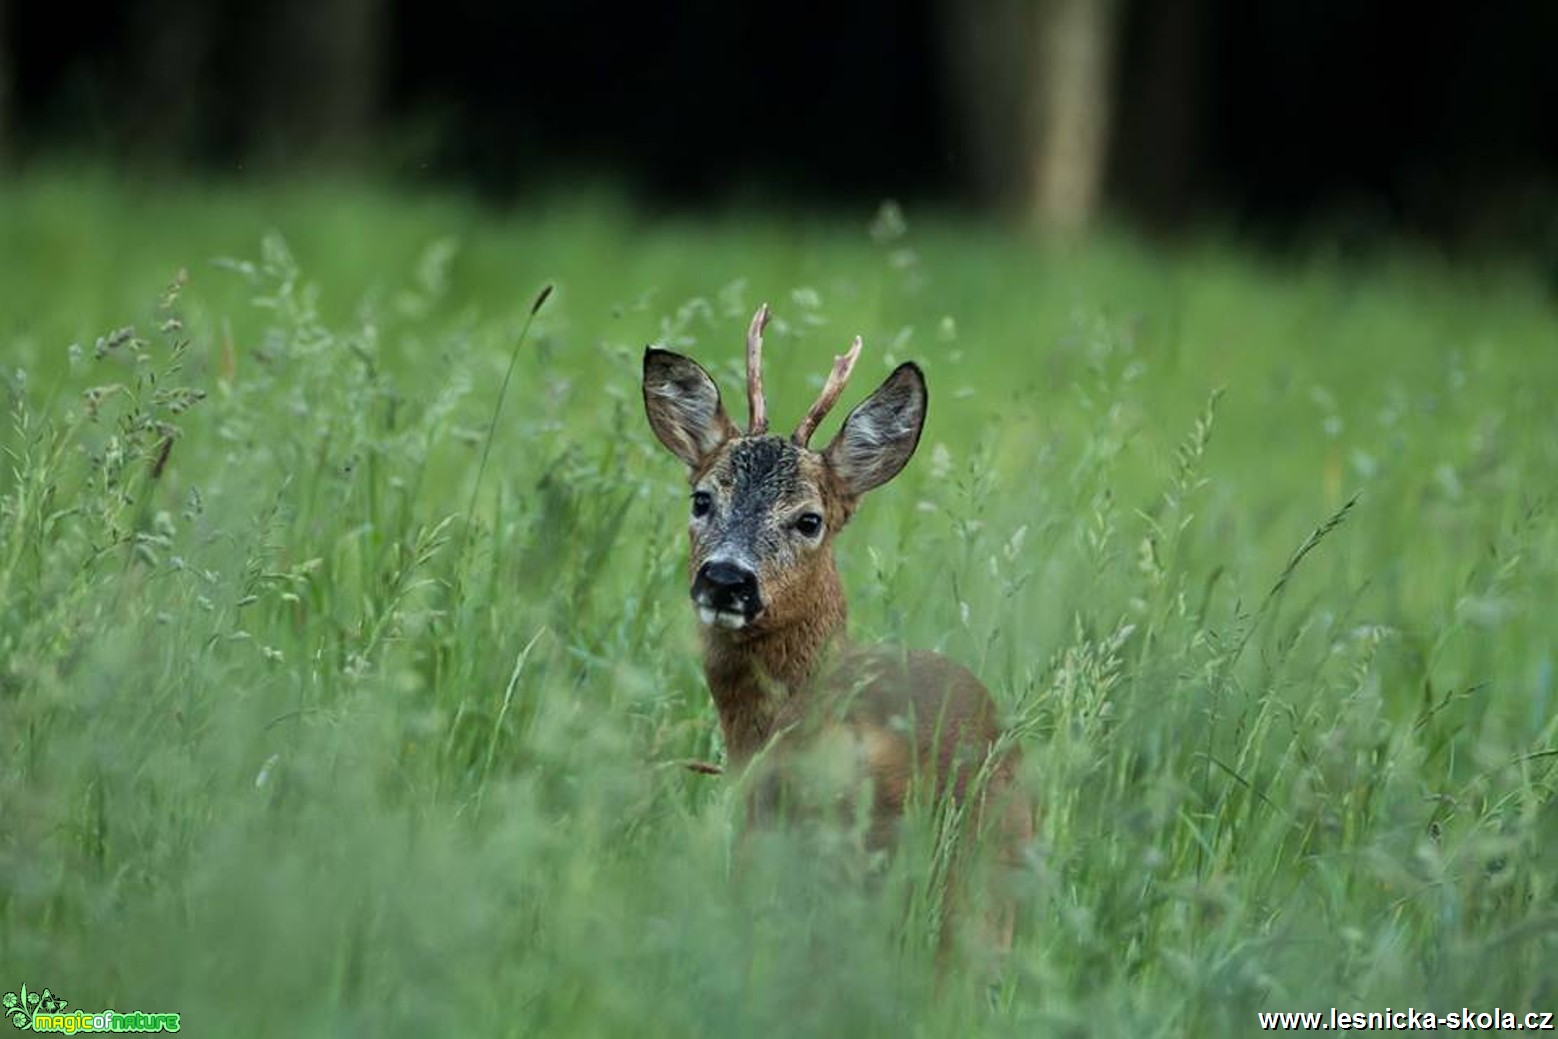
809,524
702,502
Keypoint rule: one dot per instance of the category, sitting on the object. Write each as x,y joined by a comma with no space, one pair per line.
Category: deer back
884,724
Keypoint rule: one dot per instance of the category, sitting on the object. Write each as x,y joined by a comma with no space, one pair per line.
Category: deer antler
759,424
842,366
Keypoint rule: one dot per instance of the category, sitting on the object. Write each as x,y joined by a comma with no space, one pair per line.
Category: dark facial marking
756,475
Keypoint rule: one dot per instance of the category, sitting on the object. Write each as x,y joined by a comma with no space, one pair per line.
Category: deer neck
756,675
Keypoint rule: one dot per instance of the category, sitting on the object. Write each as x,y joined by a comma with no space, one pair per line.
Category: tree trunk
1160,142
1071,107
984,80
5,84
172,41
1031,82
322,69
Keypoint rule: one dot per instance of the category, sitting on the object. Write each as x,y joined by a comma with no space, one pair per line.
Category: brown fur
819,716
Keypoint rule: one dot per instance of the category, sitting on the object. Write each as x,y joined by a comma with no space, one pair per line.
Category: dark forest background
1362,118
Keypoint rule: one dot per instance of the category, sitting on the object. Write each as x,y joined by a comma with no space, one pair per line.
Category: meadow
347,668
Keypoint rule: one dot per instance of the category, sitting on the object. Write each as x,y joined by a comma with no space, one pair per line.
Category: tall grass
313,722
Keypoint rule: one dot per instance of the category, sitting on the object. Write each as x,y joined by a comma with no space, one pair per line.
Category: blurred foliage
292,738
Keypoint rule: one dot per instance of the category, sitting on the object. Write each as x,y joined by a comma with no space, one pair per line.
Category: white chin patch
721,618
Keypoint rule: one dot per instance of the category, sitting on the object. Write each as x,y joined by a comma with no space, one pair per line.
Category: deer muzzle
726,594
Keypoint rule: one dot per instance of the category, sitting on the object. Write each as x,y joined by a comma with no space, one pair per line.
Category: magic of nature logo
45,1012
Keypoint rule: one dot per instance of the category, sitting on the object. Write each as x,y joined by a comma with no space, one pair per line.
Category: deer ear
880,435
683,406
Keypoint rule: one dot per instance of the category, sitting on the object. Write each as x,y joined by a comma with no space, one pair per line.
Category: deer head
765,508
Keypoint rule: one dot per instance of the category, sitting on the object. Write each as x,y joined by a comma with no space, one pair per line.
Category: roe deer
785,682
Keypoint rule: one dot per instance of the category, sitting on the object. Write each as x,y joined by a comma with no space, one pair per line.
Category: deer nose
726,586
